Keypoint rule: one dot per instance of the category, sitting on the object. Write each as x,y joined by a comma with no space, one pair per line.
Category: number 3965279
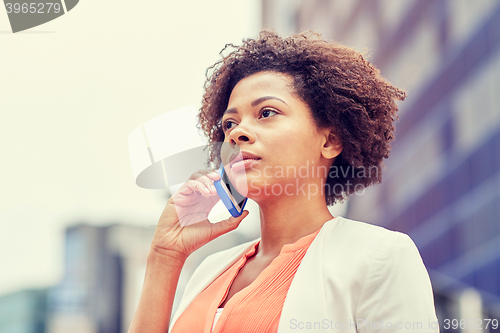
33,8
478,324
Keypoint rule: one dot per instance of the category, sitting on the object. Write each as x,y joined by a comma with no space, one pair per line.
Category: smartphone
232,199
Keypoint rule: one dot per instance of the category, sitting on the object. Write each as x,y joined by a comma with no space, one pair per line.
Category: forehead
269,83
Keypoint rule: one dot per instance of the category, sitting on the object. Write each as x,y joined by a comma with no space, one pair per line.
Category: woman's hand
183,226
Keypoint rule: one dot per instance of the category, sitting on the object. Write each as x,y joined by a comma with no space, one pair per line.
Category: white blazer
355,277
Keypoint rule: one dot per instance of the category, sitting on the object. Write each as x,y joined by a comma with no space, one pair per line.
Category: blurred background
75,229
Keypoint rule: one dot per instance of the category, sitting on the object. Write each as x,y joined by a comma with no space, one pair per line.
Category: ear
332,146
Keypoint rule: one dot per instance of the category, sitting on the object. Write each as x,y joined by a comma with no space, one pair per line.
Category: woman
313,121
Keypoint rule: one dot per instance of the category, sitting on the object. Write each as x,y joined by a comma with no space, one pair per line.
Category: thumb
229,224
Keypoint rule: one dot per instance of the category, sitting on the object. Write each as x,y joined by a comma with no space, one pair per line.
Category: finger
201,173
229,224
193,186
198,187
186,189
214,175
208,183
204,190
204,176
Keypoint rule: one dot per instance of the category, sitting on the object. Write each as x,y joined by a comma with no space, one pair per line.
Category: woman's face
266,119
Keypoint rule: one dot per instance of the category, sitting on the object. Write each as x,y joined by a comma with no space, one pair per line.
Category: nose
240,135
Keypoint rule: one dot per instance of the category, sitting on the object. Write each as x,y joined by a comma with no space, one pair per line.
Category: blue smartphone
232,199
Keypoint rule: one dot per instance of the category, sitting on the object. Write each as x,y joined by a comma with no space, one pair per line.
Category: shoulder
382,269
370,253
357,246
386,274
350,233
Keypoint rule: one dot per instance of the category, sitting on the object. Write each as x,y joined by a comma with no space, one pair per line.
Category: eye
265,112
229,124
226,125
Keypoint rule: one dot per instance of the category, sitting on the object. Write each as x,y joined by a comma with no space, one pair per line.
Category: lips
242,155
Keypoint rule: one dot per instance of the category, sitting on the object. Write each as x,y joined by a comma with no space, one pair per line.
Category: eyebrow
255,103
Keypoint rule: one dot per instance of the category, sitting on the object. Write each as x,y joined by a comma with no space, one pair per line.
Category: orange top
254,309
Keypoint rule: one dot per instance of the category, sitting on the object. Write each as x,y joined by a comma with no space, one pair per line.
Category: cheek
301,144
293,154
293,143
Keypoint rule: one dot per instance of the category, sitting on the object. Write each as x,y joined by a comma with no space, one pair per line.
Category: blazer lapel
305,302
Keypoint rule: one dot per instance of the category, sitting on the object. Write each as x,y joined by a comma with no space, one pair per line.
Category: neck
285,219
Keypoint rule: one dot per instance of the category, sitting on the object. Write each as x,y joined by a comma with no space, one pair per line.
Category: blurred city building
103,276
24,311
441,184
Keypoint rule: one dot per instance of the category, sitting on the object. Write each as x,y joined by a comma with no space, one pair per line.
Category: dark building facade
441,184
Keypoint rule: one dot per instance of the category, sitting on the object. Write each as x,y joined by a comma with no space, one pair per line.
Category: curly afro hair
343,90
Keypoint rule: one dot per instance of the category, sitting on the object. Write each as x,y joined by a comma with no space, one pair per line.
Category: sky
71,91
